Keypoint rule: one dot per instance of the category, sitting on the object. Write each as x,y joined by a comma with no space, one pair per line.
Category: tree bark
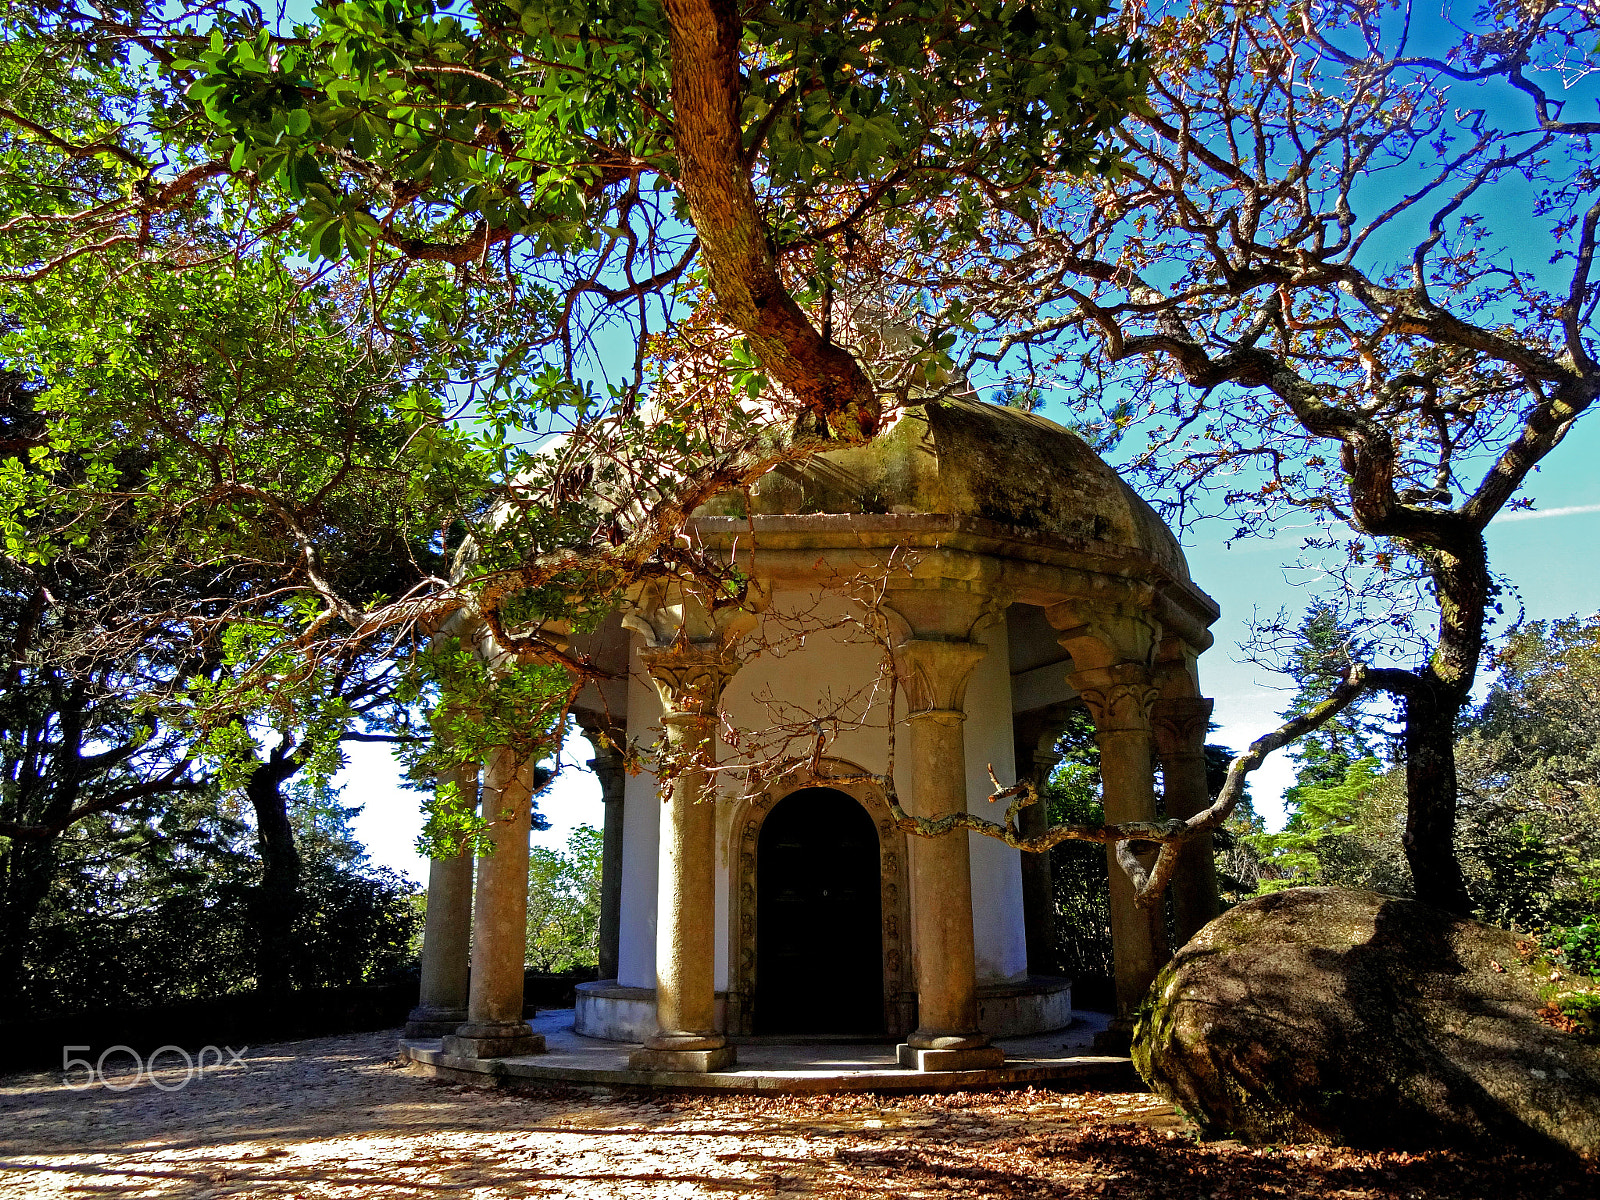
1429,838
277,900
1462,585
715,179
29,865
29,868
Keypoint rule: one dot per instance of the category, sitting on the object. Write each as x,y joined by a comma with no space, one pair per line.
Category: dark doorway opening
819,929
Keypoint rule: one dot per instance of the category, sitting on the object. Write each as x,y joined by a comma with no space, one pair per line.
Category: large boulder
1325,1015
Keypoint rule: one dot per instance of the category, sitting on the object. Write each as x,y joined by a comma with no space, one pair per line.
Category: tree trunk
41,796
1462,586
740,265
29,867
1429,839
277,900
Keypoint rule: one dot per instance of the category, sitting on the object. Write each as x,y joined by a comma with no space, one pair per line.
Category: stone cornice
822,531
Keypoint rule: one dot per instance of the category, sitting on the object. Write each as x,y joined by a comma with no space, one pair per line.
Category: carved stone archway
899,996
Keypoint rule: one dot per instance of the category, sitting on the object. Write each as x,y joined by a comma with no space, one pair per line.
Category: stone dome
962,457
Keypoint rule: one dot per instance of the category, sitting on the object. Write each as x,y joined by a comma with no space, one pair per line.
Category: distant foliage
1344,833
149,913
1346,808
358,922
1530,775
564,903
1528,827
1078,869
1238,861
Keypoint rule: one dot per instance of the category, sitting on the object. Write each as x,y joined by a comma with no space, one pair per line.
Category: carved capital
943,614
608,763
665,612
933,675
1118,697
1100,638
690,678
1180,725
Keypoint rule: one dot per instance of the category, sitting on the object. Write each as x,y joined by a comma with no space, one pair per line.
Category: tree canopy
577,164
1305,300
1261,233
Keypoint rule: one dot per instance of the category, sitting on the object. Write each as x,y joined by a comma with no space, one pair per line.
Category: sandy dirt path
337,1117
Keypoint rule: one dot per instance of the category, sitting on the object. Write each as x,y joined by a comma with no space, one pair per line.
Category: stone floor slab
1063,1059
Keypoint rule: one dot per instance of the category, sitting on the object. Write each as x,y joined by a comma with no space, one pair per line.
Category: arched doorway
819,930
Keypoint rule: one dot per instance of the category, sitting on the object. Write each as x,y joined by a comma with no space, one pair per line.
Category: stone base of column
701,1061
947,1039
509,1040
978,1058
426,1022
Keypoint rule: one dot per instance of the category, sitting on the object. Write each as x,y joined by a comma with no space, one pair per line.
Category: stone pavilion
1020,579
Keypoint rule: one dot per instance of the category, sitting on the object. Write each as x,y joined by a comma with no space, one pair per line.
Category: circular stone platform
1063,1059
1021,1008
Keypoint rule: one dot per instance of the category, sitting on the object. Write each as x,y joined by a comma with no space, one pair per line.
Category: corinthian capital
665,612
934,674
1180,724
1118,697
690,676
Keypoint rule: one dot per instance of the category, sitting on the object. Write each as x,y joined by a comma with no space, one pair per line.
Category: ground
337,1117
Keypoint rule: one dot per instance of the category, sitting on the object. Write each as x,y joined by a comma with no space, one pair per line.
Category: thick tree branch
752,296
1169,834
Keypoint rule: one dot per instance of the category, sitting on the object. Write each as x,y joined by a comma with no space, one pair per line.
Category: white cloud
1535,514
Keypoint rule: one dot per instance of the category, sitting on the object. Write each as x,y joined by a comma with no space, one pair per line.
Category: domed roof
963,457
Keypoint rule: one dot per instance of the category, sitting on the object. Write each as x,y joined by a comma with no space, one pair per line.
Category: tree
152,911
584,159
75,744
809,179
189,432
300,755
194,441
576,163
1322,650
564,903
1338,834
1310,230
1530,781
1530,772
73,749
1078,870
1338,829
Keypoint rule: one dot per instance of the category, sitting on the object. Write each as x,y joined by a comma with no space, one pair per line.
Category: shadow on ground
336,1117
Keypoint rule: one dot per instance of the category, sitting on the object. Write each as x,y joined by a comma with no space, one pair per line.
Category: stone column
933,675
495,1027
690,677
1180,725
1119,699
1036,760
608,769
447,932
